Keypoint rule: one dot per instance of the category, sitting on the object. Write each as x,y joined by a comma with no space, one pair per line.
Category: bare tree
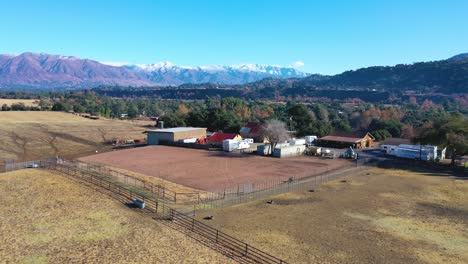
275,132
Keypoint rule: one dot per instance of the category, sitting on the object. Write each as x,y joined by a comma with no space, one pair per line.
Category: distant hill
445,76
46,71
42,71
459,57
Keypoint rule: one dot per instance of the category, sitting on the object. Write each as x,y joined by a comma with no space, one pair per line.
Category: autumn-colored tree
183,109
408,131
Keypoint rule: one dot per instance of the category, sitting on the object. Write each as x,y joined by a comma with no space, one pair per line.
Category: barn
158,136
357,140
253,130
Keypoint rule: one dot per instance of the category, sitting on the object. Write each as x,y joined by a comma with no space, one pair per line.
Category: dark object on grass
138,203
311,190
210,217
270,202
344,181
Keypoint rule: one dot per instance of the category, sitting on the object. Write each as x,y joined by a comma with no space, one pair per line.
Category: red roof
219,137
251,128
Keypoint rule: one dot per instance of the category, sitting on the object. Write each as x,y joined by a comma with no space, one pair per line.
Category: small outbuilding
169,135
357,140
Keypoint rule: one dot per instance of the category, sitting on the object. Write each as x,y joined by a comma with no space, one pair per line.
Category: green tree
301,119
173,120
132,111
451,133
60,106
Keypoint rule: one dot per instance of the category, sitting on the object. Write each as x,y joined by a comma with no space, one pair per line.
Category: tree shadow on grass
424,168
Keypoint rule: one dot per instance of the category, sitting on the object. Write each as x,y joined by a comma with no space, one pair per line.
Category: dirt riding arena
212,170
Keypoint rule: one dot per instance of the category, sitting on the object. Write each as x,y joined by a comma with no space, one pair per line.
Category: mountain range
46,71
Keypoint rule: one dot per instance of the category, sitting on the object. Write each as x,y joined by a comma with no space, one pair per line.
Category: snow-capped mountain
167,73
40,70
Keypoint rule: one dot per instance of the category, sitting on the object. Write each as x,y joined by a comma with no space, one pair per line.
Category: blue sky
327,36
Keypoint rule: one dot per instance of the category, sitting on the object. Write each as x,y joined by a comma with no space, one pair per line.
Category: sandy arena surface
212,170
47,218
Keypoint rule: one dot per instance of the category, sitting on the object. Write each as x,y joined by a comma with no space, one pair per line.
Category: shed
289,151
158,136
357,140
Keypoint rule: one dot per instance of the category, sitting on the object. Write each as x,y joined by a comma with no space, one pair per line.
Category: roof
349,137
341,139
355,134
251,128
219,136
175,129
395,141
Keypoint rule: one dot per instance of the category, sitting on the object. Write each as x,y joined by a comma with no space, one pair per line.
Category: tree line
441,123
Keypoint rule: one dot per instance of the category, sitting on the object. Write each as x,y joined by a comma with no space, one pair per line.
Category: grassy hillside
47,218
34,135
26,102
376,216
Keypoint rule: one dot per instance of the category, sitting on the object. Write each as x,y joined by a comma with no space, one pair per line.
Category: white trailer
297,142
230,145
309,140
243,145
248,140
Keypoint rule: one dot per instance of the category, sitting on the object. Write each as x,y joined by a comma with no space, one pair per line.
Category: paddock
213,170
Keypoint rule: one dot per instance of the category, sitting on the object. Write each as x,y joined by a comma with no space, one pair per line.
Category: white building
422,152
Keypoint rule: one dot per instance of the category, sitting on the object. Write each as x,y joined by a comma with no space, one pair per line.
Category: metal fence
232,247
284,187
213,199
12,166
162,192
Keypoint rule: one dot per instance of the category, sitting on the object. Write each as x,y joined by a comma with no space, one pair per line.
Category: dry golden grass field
26,102
376,216
47,218
34,135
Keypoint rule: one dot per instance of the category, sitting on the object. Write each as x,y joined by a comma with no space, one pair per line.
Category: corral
47,218
212,170
374,216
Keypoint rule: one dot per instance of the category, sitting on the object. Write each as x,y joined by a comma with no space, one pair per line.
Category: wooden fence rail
238,249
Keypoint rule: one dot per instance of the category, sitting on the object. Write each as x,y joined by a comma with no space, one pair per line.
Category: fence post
217,234
246,248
